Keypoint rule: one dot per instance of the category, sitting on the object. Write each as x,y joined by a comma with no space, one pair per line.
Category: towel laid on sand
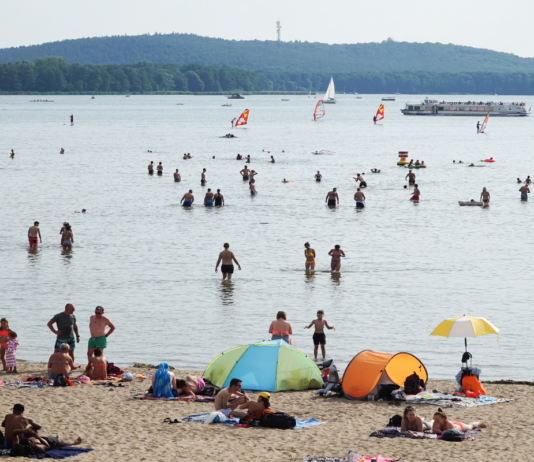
61,453
196,398
300,423
394,432
378,458
443,400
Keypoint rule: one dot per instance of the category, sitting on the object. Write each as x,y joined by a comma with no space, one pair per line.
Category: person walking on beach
33,233
67,238
331,198
410,177
219,199
160,169
416,193
281,329
245,173
319,337
485,196
359,197
227,258
151,168
188,199
524,190
66,328
97,326
318,176
177,177
336,254
203,178
208,198
222,403
309,253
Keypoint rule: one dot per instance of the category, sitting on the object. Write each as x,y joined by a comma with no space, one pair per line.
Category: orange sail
380,113
243,119
485,123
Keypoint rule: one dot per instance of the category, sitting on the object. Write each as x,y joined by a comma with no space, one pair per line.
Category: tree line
55,75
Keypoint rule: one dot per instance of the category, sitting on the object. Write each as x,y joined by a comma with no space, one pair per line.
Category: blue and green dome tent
266,366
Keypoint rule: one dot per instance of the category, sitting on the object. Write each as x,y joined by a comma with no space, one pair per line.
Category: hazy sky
497,25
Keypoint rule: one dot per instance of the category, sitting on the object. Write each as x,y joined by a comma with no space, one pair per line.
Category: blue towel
300,423
61,453
162,383
308,423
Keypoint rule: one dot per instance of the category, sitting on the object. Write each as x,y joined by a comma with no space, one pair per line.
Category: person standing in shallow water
33,233
309,253
160,169
336,254
416,193
524,190
331,198
151,168
203,178
177,177
219,199
485,196
227,258
188,199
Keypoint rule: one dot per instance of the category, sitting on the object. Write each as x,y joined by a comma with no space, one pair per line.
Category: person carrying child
319,336
11,349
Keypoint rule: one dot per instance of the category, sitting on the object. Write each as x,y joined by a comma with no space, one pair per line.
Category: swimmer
318,176
410,177
416,194
285,181
248,159
83,211
360,178
188,199
336,255
524,190
453,161
331,198
148,150
213,157
219,199
253,173
160,169
12,155
485,196
405,187
252,187
245,173
151,168
272,159
460,162
208,198
375,170
359,197
62,151
185,157
177,177
203,178
283,150
189,156
471,165
239,157
519,181
309,253
528,180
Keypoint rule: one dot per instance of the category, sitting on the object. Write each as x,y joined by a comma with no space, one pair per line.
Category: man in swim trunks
318,176
319,337
188,199
416,193
410,177
208,198
524,190
485,196
245,173
219,199
177,176
66,328
203,178
359,197
233,120
221,401
227,257
359,178
99,337
151,168
331,198
160,169
17,423
33,233
13,154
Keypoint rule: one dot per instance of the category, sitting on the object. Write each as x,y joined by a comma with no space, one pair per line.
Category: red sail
380,113
243,119
319,110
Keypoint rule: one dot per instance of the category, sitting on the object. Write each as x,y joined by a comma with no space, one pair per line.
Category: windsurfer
331,198
478,126
374,120
233,120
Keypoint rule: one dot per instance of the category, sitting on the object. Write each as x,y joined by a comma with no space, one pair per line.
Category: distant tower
278,29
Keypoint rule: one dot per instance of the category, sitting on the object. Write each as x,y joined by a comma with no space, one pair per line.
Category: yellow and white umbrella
466,326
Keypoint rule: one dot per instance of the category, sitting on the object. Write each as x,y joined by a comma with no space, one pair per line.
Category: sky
496,25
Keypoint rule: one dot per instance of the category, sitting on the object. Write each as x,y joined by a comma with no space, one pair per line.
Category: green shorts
100,342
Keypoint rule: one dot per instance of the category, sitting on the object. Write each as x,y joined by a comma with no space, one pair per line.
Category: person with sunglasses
99,336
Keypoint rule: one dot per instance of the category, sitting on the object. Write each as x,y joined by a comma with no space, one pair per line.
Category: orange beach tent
369,369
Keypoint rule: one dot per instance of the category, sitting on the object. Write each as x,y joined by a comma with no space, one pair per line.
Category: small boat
128,95
179,104
235,96
226,105
359,97
42,101
330,95
285,100
323,152
388,98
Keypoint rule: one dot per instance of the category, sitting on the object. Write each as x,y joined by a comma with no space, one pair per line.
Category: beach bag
278,420
395,421
114,370
471,382
411,384
453,435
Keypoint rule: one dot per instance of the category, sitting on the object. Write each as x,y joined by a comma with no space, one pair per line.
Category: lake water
150,262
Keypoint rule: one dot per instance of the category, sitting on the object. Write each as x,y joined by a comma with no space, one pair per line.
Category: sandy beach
119,427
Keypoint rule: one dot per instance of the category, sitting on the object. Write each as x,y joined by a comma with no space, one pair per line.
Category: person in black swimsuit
151,168
318,176
219,198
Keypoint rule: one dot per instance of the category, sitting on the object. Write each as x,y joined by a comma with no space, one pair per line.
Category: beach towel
162,382
188,398
61,453
443,400
300,423
378,458
394,432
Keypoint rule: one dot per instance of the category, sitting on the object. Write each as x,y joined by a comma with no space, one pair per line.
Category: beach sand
121,428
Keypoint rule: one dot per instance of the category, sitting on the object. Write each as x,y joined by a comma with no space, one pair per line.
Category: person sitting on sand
442,423
98,365
164,383
257,409
15,424
190,386
61,363
281,329
221,401
412,423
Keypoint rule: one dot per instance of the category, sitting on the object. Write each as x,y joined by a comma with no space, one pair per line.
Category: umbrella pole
465,344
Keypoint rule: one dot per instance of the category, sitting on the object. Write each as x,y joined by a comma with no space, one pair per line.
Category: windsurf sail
243,118
483,127
380,113
319,110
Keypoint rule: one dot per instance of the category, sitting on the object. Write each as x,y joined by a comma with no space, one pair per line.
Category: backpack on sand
453,435
395,421
411,384
278,420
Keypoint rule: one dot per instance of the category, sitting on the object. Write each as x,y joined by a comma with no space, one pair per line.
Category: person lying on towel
442,423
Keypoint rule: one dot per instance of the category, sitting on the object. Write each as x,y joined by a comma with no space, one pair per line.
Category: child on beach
11,359
318,336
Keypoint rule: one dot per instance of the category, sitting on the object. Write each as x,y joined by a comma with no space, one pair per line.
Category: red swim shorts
32,241
414,198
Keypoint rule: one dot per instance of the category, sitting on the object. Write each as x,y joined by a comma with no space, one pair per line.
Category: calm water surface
151,263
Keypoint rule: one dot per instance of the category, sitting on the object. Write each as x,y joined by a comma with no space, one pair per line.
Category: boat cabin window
428,108
417,108
490,109
474,109
447,108
441,108
466,109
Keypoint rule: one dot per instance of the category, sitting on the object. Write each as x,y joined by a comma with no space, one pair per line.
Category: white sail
330,95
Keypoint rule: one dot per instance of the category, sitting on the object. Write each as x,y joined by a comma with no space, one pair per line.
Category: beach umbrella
466,326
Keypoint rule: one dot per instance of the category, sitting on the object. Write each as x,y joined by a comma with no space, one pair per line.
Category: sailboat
319,110
330,95
484,124
379,114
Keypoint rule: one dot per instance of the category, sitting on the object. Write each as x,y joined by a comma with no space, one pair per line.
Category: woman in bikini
485,196
67,238
4,337
412,423
190,386
98,365
309,253
281,329
442,423
336,255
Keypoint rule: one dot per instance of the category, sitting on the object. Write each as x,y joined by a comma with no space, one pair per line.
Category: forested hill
181,49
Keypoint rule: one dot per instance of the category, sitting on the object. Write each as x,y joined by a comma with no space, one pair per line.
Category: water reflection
67,255
335,276
226,292
33,255
309,277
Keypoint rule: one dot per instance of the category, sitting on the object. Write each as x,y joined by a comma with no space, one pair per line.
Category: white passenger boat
469,108
388,98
